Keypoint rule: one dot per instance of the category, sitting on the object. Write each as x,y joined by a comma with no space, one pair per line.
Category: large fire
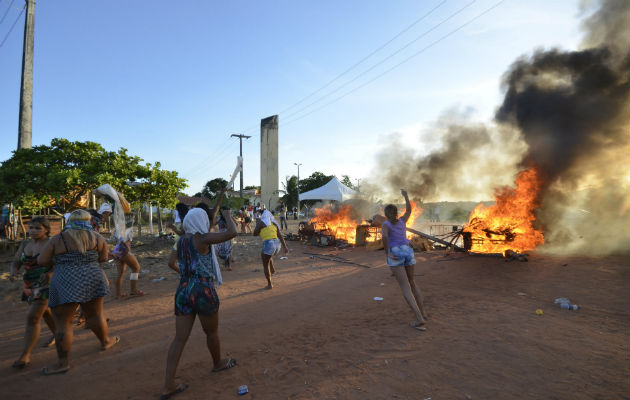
342,223
508,225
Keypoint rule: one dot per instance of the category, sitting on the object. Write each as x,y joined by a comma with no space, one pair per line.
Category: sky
171,81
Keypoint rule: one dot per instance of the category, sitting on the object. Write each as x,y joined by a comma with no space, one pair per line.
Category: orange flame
508,225
415,213
343,223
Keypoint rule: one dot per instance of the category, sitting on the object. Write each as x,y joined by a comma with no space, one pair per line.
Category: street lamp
298,188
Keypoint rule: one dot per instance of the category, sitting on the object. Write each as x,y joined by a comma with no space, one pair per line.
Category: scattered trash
564,265
522,294
378,299
284,258
539,312
566,304
382,284
161,278
242,390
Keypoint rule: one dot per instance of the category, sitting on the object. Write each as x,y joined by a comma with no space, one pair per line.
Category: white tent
333,190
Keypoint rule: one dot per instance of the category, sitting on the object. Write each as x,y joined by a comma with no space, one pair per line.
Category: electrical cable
384,59
12,26
6,12
414,23
400,63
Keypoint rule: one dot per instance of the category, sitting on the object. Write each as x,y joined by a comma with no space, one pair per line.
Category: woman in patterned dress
78,280
196,295
36,279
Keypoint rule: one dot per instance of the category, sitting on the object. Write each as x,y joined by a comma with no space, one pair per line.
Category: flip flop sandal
50,342
180,388
231,362
20,364
47,371
418,326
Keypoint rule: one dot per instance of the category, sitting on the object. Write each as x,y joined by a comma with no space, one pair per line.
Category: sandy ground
320,335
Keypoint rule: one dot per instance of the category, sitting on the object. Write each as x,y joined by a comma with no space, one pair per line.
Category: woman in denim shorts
269,231
401,260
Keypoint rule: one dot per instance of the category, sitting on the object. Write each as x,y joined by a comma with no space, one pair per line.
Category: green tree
290,187
212,188
348,182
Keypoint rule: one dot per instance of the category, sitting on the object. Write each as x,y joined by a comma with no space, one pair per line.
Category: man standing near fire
401,260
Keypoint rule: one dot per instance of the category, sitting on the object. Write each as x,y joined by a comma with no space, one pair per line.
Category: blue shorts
271,247
404,254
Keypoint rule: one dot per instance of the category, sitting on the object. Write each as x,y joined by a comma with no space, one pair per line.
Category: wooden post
150,217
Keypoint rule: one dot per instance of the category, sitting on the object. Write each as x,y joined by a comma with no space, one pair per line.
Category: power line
414,23
12,26
6,12
212,154
400,63
384,59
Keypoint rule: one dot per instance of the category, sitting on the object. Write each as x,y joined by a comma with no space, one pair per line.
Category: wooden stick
433,238
239,166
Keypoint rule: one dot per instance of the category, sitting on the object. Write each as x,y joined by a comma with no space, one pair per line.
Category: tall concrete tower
269,161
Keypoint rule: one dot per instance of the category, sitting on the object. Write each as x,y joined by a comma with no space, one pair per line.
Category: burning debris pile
507,225
343,225
564,116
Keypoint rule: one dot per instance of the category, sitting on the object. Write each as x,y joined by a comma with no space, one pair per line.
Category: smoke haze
564,112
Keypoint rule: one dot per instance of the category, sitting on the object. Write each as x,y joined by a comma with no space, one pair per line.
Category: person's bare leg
31,333
403,282
210,325
272,270
64,334
409,269
48,318
183,326
134,265
265,261
94,318
121,273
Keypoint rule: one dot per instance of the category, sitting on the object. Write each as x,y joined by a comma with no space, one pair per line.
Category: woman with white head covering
269,231
196,295
78,280
122,251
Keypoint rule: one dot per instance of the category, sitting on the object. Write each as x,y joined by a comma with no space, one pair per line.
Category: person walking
77,280
35,291
196,296
269,231
283,217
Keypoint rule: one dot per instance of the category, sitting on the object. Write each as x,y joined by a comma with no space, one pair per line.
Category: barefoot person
196,295
78,280
400,258
269,231
36,279
122,255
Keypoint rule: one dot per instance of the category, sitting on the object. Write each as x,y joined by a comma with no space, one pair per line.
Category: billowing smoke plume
469,162
570,109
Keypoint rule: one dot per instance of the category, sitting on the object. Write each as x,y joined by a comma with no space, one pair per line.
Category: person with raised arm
401,260
196,295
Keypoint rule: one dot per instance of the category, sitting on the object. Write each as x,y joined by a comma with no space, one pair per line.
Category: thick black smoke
564,112
572,111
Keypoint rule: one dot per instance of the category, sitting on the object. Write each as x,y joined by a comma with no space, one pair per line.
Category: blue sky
170,81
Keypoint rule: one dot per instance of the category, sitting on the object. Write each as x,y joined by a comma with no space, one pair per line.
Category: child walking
401,260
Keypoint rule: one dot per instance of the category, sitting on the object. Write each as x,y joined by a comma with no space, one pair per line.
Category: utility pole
240,139
298,188
25,128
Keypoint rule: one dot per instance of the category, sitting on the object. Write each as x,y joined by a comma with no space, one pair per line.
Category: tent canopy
333,190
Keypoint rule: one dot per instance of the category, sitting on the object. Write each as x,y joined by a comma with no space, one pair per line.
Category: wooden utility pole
240,138
25,128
